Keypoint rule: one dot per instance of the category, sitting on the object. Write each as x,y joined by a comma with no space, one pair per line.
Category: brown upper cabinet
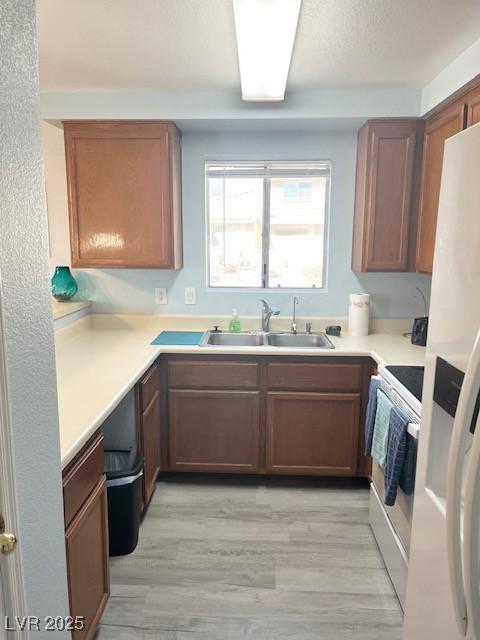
439,127
388,162
399,171
124,193
473,101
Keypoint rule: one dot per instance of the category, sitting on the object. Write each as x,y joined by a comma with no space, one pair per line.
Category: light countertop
62,309
99,359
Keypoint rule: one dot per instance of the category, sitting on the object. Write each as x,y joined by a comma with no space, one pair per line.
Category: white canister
358,314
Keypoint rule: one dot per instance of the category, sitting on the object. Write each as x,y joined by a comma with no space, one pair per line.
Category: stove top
410,377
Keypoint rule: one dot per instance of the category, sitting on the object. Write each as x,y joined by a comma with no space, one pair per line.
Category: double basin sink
259,339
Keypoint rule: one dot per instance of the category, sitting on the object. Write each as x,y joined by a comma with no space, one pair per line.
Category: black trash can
124,470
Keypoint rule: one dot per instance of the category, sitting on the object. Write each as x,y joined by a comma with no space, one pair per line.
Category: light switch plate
161,295
190,295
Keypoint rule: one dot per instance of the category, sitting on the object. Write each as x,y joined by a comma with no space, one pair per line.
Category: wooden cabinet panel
124,194
306,376
210,373
81,477
214,430
149,385
305,412
312,433
150,442
473,103
387,160
87,561
438,129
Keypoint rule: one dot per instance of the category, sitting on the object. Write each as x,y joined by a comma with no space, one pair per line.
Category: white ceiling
189,45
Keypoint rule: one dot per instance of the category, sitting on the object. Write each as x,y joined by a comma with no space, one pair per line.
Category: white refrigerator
443,596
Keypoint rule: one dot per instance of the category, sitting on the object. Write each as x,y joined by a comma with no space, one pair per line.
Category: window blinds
284,170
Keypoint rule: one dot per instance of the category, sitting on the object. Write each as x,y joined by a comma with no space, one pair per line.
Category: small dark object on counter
420,331
333,330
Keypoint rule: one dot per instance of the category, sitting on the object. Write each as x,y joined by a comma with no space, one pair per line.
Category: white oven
391,525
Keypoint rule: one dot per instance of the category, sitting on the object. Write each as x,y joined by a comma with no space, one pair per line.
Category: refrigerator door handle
461,428
471,540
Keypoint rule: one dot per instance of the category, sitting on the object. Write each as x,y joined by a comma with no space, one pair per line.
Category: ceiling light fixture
265,32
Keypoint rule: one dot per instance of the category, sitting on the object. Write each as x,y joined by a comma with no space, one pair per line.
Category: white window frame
318,167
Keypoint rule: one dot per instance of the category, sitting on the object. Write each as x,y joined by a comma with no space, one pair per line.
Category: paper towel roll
358,314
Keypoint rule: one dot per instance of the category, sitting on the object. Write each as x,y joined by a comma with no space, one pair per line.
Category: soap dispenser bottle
234,322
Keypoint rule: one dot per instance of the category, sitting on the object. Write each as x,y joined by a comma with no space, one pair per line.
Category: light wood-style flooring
256,559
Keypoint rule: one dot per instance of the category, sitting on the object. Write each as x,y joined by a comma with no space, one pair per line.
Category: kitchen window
267,224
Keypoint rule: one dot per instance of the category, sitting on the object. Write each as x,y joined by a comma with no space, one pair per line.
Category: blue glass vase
64,285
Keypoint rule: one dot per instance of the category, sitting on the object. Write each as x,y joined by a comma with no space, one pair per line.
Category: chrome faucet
267,313
294,317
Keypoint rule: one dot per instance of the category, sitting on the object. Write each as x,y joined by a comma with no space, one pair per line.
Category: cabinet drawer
207,374
81,478
149,385
306,376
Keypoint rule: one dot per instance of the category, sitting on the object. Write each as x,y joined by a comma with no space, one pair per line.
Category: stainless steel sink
224,339
259,339
300,340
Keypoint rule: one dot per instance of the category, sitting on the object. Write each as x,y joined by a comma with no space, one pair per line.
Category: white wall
453,77
326,103
56,187
27,319
124,291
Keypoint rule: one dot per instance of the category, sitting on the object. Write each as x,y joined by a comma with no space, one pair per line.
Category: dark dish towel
370,417
407,476
396,453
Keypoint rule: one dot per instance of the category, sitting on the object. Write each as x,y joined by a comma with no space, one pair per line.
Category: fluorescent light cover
265,37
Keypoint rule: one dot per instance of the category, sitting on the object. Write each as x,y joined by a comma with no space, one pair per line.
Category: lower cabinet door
87,561
214,430
312,433
150,435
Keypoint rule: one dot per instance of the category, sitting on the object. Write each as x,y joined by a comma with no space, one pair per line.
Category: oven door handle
392,394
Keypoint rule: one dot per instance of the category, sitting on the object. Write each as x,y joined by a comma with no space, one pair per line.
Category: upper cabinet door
438,129
124,194
387,159
473,116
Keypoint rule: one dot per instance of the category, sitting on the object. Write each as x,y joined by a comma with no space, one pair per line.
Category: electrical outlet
161,295
190,295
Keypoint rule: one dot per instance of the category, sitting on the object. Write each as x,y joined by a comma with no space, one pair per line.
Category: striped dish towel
380,430
370,417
